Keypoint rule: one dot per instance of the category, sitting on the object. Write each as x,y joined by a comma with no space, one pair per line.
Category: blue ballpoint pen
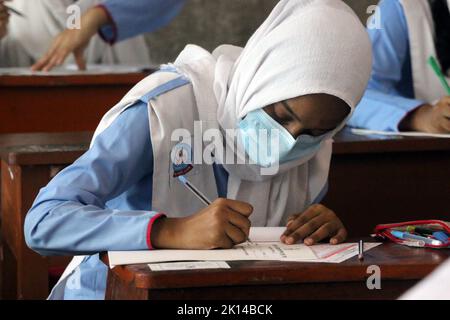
194,190
408,236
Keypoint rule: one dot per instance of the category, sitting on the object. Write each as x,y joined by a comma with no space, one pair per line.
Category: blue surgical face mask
267,154
305,146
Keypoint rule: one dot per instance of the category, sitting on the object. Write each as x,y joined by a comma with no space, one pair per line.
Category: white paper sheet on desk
264,246
364,132
194,265
435,286
339,253
246,251
71,70
266,234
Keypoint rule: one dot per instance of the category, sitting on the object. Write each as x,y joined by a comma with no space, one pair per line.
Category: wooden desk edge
42,158
390,146
76,79
283,273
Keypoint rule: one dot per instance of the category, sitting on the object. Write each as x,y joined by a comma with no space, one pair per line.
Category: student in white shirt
28,38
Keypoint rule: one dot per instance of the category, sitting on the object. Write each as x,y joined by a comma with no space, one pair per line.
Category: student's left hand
313,225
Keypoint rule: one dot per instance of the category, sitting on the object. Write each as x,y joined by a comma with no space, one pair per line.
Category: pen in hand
195,191
437,69
361,250
198,194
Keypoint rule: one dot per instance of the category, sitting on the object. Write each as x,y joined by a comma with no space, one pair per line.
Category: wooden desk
28,162
372,181
401,267
59,103
377,180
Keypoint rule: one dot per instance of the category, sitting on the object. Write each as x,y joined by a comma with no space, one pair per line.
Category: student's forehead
316,114
329,105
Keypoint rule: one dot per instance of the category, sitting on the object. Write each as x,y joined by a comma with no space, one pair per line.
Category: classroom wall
210,23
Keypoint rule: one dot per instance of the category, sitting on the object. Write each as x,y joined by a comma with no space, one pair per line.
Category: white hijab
304,47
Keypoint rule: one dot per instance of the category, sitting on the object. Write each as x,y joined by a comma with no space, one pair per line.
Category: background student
115,21
28,37
4,18
404,93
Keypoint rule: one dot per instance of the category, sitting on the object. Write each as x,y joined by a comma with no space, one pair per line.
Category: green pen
435,65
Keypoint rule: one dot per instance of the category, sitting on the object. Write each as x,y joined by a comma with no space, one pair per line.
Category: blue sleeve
383,106
132,18
322,194
69,216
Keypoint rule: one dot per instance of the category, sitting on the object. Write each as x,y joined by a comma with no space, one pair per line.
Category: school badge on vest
181,159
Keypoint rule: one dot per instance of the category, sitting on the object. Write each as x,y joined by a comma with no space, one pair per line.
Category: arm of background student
429,118
141,17
382,111
115,20
69,216
4,18
73,41
382,107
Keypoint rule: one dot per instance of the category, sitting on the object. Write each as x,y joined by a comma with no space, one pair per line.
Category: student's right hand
428,118
222,224
73,41
4,19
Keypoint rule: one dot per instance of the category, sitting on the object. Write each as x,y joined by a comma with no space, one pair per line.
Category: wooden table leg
25,272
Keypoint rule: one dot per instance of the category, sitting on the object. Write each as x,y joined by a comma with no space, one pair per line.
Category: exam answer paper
435,286
71,70
364,132
264,245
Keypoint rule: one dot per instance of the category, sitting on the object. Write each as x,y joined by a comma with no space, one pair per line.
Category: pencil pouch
414,233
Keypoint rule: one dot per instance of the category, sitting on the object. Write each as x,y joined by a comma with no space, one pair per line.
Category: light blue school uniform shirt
101,202
132,18
390,94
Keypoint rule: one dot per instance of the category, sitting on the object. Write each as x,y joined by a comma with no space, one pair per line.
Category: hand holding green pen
437,69
430,118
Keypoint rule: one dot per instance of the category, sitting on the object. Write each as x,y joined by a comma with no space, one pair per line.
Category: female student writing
404,93
298,79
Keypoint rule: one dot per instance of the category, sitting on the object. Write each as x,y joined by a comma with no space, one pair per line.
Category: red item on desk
384,231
